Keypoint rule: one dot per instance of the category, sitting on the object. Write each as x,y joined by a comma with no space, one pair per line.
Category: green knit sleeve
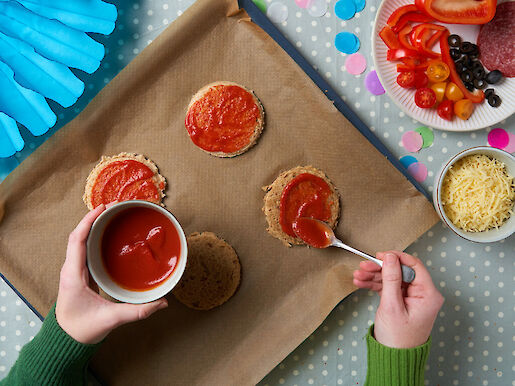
394,366
51,358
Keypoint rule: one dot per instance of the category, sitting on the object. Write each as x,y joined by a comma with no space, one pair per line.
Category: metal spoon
408,274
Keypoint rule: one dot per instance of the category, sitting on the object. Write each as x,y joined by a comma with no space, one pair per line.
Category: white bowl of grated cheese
474,194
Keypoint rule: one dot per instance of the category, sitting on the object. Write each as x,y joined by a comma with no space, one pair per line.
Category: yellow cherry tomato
437,71
453,93
463,109
439,89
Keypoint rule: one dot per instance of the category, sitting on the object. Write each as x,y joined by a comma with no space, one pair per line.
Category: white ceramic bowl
96,266
492,235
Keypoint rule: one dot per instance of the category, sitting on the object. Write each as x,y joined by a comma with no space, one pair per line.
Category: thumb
392,279
126,313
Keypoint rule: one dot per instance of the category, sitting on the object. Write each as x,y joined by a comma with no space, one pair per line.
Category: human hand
406,312
80,311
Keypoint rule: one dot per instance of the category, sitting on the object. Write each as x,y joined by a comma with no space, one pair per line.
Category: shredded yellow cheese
477,193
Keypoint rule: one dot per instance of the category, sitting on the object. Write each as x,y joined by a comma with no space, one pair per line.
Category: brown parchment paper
285,292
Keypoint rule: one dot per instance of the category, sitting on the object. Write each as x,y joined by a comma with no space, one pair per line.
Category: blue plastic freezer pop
31,70
10,138
25,106
84,15
50,38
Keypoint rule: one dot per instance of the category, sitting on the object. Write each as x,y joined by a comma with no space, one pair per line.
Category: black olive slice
466,47
494,100
455,53
454,40
479,73
469,86
488,91
479,84
494,76
460,67
467,76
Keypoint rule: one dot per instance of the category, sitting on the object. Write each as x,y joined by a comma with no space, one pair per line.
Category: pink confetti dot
511,146
498,138
355,64
412,141
303,3
418,171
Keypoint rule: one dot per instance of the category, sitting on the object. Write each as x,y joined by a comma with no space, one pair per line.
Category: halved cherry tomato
453,92
425,98
406,79
446,110
421,79
439,89
399,12
389,38
437,71
478,95
463,109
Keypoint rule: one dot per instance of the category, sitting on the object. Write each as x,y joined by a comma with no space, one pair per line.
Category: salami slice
496,40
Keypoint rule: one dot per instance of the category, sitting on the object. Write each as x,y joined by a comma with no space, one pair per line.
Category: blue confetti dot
346,42
345,9
360,5
407,160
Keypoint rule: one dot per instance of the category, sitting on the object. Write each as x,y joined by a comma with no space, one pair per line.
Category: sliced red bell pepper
459,12
477,96
401,67
434,39
400,53
422,36
398,13
416,17
404,38
389,38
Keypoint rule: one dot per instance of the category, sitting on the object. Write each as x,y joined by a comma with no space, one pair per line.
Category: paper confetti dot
261,4
498,138
510,148
317,8
427,136
303,3
412,141
360,5
355,64
418,171
407,160
345,9
346,42
277,12
373,84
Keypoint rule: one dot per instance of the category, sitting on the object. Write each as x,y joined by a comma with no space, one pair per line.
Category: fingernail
390,259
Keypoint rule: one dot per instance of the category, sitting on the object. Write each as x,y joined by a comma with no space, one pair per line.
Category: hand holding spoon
319,235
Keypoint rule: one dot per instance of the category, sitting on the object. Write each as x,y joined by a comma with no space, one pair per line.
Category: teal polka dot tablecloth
474,334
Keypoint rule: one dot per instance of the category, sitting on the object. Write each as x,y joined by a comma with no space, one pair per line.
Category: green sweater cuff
394,366
53,357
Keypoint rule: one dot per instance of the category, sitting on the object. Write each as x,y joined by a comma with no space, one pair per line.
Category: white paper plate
483,116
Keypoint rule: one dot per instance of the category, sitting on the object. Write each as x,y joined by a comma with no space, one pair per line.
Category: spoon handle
408,274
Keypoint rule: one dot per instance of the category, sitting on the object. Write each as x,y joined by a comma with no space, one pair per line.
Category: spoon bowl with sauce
318,234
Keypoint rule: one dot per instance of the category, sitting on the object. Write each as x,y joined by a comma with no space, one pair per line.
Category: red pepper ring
435,38
400,53
477,96
416,17
399,12
462,12
404,38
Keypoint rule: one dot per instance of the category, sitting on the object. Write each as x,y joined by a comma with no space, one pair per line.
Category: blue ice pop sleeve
50,38
10,138
31,70
25,106
84,15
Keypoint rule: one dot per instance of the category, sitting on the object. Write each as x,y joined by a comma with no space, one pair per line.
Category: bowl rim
438,186
174,277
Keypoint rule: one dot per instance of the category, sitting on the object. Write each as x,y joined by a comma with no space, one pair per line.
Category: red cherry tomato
406,79
421,79
446,110
425,98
